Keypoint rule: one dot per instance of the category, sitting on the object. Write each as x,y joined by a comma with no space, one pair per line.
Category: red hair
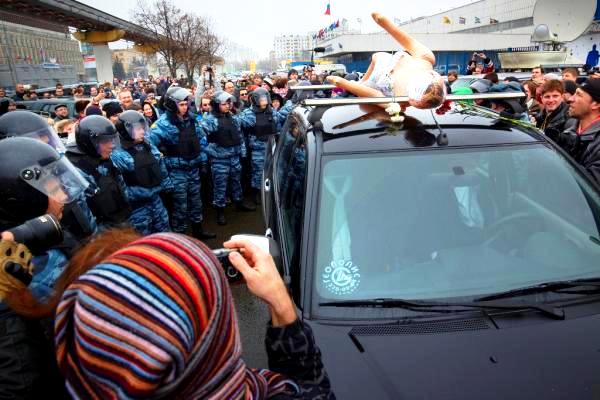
94,252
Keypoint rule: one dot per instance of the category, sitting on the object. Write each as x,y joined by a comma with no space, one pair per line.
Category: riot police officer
34,180
78,220
179,137
268,123
224,130
144,172
96,138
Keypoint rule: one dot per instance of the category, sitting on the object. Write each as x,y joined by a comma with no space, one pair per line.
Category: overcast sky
254,23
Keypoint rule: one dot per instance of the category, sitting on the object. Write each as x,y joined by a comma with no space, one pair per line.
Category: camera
233,275
39,234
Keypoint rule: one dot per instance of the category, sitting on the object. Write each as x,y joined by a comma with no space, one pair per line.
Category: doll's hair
428,90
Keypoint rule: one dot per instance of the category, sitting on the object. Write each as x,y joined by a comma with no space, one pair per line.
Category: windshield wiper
545,287
431,306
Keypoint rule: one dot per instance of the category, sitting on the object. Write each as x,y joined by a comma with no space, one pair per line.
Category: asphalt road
252,313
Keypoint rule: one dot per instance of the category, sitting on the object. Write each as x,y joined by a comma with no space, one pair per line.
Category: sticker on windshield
341,277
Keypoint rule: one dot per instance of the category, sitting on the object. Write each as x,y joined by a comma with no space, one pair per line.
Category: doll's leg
413,46
356,88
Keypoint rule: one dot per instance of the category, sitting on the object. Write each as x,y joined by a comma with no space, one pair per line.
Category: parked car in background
46,107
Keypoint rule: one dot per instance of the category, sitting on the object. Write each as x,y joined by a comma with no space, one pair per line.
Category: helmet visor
101,141
137,130
47,135
58,179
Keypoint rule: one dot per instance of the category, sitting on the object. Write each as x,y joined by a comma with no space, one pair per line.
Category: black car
46,107
452,256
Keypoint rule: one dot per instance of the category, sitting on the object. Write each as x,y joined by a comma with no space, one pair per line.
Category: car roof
421,129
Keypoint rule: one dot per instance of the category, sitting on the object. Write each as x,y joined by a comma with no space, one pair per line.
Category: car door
290,169
267,196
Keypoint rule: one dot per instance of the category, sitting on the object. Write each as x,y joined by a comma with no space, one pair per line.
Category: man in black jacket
580,137
555,111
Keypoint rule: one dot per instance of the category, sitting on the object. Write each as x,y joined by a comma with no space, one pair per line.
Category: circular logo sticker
341,277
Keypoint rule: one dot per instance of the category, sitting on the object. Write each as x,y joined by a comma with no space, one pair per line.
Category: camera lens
231,272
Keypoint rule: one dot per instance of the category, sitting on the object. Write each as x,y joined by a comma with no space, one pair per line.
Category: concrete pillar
103,62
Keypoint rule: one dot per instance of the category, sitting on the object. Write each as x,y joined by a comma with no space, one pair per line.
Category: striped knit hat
156,320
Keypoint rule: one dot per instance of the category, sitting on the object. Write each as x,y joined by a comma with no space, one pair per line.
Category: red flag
328,11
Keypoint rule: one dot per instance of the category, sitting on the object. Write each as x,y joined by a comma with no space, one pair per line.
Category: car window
452,223
291,173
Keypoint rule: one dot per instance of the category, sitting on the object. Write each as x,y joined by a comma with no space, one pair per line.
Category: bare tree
213,45
191,35
163,18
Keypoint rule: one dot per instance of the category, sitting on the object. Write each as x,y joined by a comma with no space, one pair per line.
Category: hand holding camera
263,279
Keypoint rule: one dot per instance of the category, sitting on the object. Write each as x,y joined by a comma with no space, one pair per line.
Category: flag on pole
446,20
462,20
328,10
477,20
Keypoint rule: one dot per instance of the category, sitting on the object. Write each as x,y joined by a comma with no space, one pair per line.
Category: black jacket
584,148
292,351
554,123
28,367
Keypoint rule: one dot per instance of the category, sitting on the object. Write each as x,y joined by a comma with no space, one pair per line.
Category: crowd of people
565,107
125,177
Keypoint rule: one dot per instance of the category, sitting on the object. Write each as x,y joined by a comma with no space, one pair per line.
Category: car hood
463,359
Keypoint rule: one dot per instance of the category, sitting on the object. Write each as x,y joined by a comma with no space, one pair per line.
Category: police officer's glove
16,269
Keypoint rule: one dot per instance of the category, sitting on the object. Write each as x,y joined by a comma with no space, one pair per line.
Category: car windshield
448,223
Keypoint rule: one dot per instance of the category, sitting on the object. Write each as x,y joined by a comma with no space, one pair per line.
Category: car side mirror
266,244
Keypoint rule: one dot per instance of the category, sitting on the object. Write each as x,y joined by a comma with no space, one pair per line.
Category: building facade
37,55
292,46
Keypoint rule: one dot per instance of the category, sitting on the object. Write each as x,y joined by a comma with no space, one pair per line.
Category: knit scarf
156,320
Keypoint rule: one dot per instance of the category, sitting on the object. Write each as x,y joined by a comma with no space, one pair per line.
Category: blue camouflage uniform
182,143
226,146
145,178
258,137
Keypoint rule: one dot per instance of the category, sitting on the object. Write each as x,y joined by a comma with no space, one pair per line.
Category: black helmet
93,130
127,122
27,124
257,95
175,95
31,172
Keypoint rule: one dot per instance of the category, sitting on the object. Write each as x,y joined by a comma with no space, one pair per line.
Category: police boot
199,233
240,206
221,216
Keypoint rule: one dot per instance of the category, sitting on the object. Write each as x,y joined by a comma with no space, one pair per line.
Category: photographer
181,325
479,64
33,179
